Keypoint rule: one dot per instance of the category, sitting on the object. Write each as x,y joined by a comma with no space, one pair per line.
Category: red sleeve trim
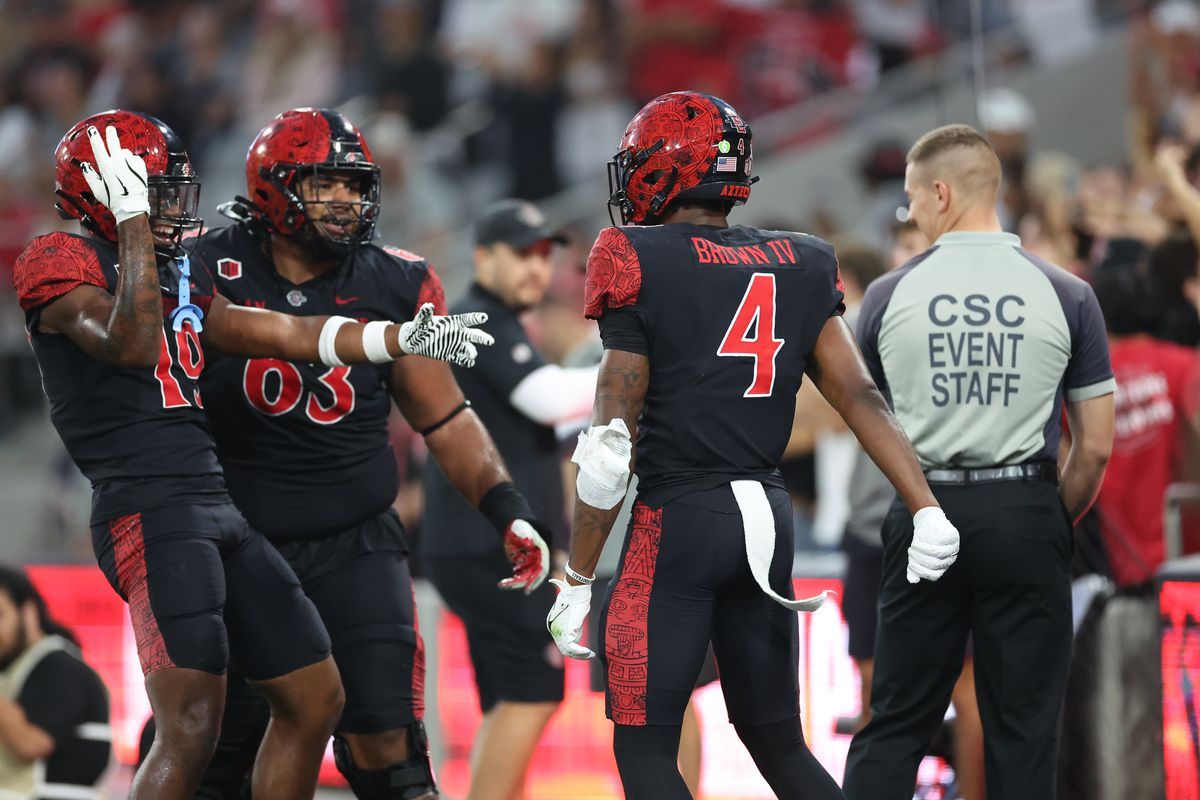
52,265
431,292
614,274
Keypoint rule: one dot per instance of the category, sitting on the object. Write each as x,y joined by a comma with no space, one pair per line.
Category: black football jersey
728,318
139,434
305,446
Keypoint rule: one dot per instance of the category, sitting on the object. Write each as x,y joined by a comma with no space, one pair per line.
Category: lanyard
187,311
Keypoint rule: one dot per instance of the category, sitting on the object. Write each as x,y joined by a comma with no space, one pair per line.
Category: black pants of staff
1010,588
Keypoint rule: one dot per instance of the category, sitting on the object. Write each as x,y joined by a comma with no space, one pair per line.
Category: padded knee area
404,781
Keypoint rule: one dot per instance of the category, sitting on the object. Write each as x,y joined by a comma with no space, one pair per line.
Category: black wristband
461,407
502,504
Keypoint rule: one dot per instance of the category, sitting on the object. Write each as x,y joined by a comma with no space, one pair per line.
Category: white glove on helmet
119,177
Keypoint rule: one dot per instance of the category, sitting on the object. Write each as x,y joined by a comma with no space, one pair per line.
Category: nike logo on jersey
345,301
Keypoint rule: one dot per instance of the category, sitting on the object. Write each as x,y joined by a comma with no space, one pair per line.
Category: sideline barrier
575,757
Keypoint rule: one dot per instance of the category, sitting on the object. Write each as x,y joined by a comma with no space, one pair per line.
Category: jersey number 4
277,401
757,311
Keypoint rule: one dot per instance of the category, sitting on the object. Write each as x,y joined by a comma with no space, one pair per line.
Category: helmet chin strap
186,311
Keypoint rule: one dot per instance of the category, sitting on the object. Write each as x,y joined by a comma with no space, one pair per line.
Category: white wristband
576,576
326,350
374,342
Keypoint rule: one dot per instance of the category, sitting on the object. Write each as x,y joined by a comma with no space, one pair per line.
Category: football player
118,320
305,446
708,330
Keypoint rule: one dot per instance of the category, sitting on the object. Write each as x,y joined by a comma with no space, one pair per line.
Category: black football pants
1011,588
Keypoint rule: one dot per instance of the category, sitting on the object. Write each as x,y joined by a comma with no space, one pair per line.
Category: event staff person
977,343
519,397
55,741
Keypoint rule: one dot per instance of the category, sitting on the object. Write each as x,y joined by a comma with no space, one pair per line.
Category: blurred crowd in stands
465,101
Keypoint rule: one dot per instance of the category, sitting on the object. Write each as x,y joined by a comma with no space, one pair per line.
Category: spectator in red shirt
683,44
1156,411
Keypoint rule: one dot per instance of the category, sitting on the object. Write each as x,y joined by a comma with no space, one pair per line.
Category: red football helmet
174,189
315,142
682,145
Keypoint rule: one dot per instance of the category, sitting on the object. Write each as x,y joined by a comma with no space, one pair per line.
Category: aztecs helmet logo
683,145
306,142
174,190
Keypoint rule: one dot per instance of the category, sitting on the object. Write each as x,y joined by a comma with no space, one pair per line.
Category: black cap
517,223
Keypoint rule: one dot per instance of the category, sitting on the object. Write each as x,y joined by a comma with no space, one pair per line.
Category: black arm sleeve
623,329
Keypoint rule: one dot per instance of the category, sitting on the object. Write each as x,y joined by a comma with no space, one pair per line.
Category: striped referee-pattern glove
450,338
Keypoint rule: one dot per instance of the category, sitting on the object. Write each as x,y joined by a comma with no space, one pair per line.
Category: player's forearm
257,333
467,456
349,344
588,535
132,335
879,433
1082,476
620,394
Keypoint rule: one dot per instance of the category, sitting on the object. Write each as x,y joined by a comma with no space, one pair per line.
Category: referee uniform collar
979,237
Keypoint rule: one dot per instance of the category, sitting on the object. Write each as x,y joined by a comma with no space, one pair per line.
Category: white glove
934,545
119,178
451,338
565,620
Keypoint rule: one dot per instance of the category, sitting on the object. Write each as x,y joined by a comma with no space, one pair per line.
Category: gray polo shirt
976,343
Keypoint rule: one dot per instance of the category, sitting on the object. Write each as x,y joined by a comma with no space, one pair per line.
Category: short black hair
1125,298
1170,264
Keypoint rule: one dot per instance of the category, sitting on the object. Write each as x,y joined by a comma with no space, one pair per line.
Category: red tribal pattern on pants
626,634
129,543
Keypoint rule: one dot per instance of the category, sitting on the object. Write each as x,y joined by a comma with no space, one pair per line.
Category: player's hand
119,178
565,620
450,338
529,555
934,545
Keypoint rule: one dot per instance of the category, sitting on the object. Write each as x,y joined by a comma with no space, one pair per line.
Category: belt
1042,470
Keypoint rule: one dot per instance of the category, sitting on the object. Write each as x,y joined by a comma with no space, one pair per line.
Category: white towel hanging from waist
759,525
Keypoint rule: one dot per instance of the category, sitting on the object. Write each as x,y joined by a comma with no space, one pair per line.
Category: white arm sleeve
552,393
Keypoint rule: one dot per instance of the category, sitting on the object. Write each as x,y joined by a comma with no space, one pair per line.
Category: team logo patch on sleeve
401,253
229,268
